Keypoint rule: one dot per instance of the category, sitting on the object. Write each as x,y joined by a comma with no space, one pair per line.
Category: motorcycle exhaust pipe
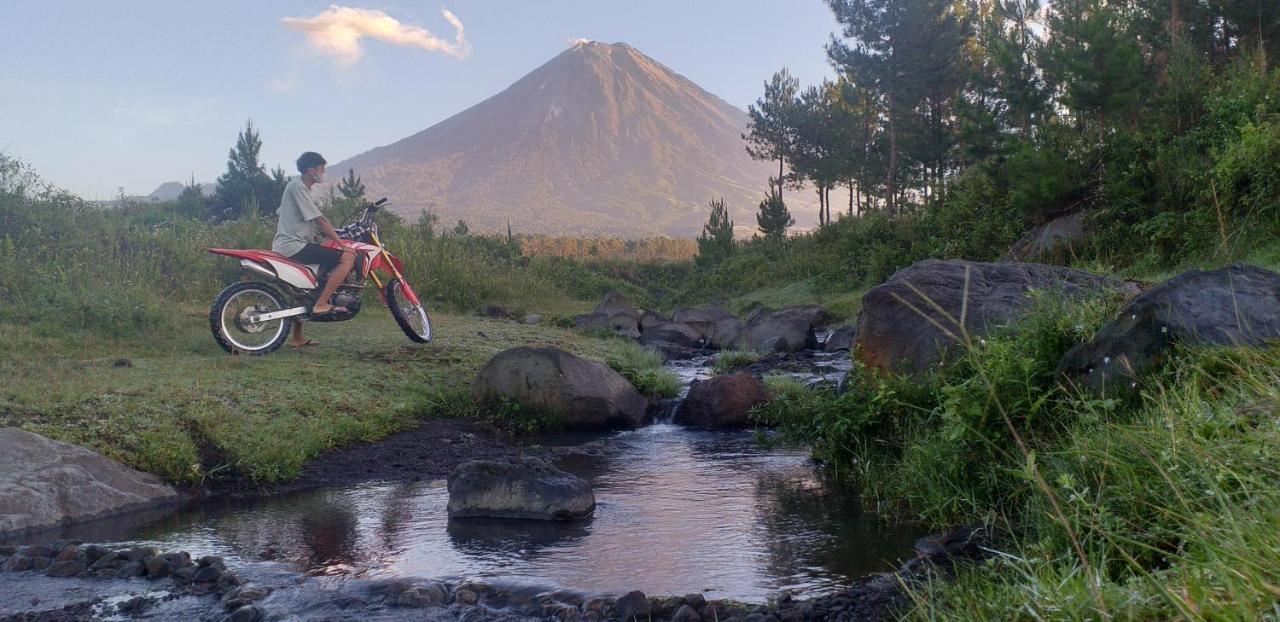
257,269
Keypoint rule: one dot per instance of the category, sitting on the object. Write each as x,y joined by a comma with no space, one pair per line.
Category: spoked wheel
233,322
412,318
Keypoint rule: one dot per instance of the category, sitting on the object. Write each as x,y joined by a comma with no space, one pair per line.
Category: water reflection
678,511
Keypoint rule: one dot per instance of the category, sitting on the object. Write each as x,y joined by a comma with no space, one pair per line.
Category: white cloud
283,85
339,30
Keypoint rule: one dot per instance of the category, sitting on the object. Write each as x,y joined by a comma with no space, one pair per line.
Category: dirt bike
255,317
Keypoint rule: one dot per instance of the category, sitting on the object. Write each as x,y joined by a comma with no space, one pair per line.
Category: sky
98,96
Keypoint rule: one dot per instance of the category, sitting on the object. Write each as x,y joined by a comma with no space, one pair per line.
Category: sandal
331,311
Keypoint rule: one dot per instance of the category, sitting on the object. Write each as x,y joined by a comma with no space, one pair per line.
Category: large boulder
908,322
1055,239
45,483
840,339
1239,305
786,330
650,318
528,489
673,333
582,394
723,402
615,313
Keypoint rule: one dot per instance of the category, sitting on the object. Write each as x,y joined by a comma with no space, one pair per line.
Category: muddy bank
429,451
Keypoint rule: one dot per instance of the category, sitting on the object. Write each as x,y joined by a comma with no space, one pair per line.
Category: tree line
927,89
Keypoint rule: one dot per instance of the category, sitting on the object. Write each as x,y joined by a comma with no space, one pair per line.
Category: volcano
600,140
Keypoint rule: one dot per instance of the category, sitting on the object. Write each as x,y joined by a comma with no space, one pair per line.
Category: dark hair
308,160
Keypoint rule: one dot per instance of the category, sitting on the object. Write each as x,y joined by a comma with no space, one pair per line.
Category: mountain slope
600,140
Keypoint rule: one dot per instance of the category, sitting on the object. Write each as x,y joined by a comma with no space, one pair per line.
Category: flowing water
678,511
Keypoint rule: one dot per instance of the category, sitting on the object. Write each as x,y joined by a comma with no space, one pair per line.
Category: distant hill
170,190
601,140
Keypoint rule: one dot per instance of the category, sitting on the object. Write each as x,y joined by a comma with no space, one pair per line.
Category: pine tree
771,124
773,218
246,187
716,241
352,187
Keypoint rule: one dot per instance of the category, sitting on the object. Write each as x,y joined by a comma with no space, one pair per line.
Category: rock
633,606
44,483
1052,240
110,559
840,339
66,568
179,559
695,600
465,597
244,595
17,563
206,574
247,613
686,614
909,321
185,574
532,318
725,333
673,333
212,560
67,553
157,566
528,488
965,542
93,553
131,570
615,303
582,394
1239,305
785,330
429,595
38,550
723,402
649,319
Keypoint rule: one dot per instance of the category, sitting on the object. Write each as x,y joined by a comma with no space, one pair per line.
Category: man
299,232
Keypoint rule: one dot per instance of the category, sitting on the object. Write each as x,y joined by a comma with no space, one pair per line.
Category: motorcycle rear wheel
412,319
229,319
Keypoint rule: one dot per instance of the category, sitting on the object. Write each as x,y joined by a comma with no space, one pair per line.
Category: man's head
311,165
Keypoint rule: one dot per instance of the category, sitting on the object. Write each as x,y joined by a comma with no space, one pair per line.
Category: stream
678,511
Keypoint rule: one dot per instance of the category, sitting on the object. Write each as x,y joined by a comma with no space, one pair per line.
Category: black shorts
327,257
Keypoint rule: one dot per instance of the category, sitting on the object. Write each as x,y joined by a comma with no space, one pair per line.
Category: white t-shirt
297,213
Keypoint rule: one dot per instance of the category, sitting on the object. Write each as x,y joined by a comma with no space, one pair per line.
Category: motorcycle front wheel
232,319
411,318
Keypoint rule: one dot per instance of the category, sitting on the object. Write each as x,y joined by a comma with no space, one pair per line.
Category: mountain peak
600,139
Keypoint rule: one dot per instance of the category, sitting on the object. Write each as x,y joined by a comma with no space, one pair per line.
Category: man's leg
336,277
298,339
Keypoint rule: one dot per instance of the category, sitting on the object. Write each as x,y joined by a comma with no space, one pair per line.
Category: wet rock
633,606
108,560
786,330
429,595
967,542
686,614
673,334
1236,306
93,553
465,597
157,566
206,574
695,600
908,322
723,402
67,553
528,488
247,613
45,483
131,570
840,339
17,563
212,560
582,394
38,550
179,559
245,594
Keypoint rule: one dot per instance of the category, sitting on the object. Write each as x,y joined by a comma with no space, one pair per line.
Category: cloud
339,30
283,85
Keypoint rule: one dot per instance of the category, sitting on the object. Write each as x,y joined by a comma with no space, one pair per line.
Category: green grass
732,360
643,366
262,416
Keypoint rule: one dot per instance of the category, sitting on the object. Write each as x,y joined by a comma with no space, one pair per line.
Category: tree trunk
822,221
851,197
892,182
779,176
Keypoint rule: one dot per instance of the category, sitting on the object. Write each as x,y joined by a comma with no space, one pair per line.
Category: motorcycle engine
350,301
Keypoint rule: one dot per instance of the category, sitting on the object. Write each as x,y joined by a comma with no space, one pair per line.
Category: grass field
157,406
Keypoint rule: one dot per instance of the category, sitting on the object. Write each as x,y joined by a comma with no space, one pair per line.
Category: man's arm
332,234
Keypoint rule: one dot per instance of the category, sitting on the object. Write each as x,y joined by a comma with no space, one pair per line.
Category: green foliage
773,218
643,367
246,189
716,242
732,360
351,187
